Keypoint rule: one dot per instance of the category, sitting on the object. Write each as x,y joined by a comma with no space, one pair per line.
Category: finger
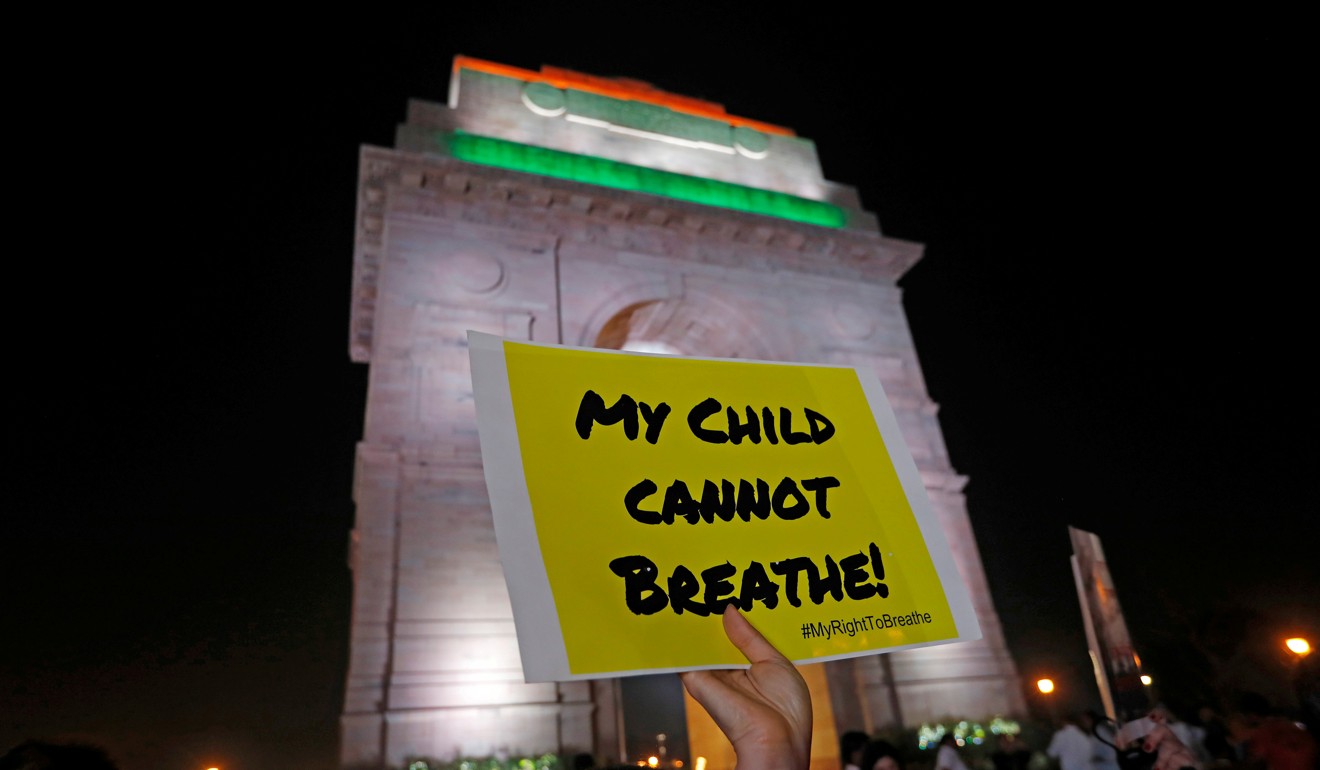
1156,737
1174,760
714,695
698,684
747,639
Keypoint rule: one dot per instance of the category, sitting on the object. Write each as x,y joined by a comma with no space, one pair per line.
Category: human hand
765,710
1172,754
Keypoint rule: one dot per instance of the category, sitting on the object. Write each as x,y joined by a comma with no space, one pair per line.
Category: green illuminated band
623,176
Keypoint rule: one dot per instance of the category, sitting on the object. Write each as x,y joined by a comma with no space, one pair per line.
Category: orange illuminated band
631,90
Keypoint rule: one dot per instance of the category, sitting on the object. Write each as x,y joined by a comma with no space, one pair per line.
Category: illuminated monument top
652,142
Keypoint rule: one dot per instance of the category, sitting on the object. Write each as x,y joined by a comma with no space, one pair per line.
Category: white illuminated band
753,154
618,129
559,107
549,112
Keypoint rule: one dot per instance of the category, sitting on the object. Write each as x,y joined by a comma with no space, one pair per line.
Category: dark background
1113,312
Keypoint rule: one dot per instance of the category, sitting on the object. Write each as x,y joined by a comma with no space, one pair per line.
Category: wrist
772,758
777,762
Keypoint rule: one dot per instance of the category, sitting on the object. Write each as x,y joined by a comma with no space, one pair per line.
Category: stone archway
699,325
446,245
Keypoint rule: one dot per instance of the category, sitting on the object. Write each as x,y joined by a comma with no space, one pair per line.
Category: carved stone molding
444,188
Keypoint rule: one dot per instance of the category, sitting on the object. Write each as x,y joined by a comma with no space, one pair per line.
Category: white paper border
937,545
536,619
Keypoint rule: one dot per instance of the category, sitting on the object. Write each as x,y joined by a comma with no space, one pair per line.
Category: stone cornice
446,188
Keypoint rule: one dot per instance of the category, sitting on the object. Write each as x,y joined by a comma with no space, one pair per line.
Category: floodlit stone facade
445,245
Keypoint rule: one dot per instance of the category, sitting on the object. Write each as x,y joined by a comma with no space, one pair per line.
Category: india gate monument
564,208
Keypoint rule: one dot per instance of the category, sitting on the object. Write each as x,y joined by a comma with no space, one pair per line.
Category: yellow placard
662,488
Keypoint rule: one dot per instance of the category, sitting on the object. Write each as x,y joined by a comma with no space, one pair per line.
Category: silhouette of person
851,745
947,757
39,755
1011,753
881,755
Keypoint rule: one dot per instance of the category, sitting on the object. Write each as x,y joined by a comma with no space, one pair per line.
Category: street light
1298,646
1046,687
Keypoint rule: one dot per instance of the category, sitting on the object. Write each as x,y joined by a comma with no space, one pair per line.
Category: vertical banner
636,496
1117,666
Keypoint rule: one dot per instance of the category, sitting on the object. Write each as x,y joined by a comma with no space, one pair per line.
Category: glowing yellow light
1298,645
1146,680
701,763
1046,686
678,763
653,761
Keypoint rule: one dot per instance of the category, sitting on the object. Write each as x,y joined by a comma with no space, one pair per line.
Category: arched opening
702,326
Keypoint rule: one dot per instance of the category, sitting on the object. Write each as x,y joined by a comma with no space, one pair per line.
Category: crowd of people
765,711
1254,737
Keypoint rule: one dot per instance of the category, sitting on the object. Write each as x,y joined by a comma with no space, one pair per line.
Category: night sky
1112,313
